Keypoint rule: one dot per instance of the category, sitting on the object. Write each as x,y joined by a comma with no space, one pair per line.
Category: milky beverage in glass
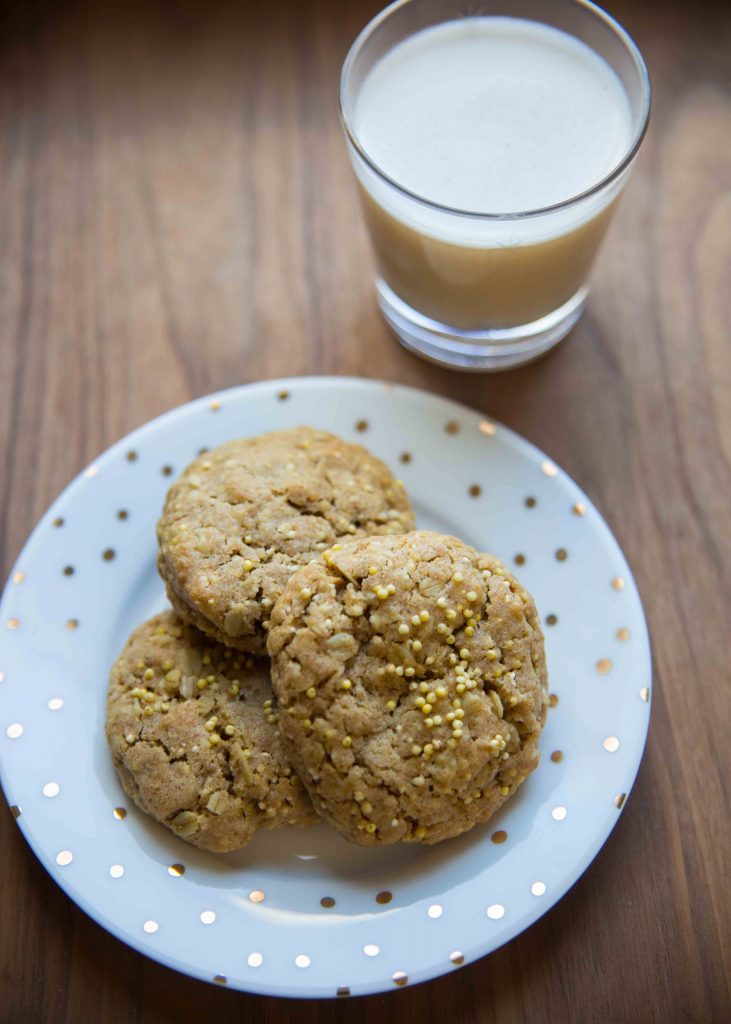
475,141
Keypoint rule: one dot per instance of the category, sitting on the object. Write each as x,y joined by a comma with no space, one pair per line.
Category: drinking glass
470,289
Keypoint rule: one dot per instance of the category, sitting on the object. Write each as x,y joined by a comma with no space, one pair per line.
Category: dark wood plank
177,215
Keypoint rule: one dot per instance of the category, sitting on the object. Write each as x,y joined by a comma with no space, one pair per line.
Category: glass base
477,351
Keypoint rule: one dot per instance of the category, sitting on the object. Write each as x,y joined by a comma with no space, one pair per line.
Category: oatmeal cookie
411,678
193,731
244,517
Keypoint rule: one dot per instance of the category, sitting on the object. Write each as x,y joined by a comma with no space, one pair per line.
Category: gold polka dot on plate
603,666
13,623
548,468
538,888
68,570
302,960
361,426
557,756
18,577
579,509
116,870
530,502
384,896
167,470
400,978
435,911
256,896
150,927
123,514
645,693
108,554
618,583
120,813
343,990
457,957
215,406
58,521
619,800
283,395
208,916
499,837
611,743
552,700
475,490
255,960
72,624
622,634
370,949
519,559
452,427
327,902
495,911
551,619
405,457
64,858
487,428
14,731
220,979
558,813
562,554
176,870
131,456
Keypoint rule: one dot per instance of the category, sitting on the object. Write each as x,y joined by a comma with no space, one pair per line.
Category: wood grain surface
177,215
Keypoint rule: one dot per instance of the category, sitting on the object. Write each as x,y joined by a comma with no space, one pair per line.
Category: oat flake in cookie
412,684
195,740
244,517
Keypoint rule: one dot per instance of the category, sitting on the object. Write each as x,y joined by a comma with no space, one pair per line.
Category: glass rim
616,172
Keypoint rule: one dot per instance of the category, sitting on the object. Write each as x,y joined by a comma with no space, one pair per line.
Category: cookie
244,517
411,678
194,737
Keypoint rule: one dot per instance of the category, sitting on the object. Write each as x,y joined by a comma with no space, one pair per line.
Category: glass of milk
490,150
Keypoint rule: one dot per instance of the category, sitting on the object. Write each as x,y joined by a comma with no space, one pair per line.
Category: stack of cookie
407,684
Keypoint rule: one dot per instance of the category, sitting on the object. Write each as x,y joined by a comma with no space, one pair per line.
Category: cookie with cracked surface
242,518
412,684
194,737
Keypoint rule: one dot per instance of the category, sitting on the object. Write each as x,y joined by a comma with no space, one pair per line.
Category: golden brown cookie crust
194,737
244,517
412,684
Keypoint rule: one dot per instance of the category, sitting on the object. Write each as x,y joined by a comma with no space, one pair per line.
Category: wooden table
177,215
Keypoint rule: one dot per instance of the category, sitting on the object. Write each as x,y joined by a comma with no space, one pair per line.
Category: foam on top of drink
493,114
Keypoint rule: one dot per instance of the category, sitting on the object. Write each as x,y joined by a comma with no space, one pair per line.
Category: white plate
87,577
